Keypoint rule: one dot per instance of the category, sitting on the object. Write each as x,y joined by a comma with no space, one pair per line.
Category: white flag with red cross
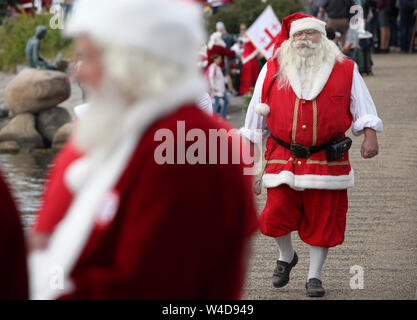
264,31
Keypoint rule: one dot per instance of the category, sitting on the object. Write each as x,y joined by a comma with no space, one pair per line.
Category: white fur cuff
307,23
262,109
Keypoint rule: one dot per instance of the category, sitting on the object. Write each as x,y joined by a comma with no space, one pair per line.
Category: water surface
25,174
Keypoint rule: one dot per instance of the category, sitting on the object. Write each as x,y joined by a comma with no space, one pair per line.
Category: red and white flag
264,31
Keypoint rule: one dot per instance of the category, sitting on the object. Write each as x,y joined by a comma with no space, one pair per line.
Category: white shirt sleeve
362,106
254,128
205,104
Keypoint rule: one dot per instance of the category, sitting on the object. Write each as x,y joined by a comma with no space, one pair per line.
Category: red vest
310,123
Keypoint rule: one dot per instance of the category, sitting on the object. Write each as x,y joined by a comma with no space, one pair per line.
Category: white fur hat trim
262,109
307,23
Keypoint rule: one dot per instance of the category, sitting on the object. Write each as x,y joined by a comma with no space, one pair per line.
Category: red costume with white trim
250,67
166,238
147,206
318,215
27,6
310,123
217,49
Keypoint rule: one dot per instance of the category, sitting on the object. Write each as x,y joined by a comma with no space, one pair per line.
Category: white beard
308,60
102,118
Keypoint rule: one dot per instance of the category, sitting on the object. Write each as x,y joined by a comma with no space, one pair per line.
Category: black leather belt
301,151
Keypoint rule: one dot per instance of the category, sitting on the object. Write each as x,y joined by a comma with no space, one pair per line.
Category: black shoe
314,288
281,274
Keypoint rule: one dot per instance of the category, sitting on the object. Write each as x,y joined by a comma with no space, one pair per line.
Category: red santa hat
297,22
162,26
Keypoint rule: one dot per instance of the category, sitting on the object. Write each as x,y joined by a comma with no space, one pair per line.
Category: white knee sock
286,251
317,257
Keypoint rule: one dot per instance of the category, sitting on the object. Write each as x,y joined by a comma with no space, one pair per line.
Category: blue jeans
406,26
217,105
67,9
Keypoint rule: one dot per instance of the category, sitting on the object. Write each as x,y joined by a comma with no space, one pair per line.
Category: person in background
12,6
216,45
227,37
408,14
229,41
393,24
67,4
27,6
134,225
236,64
338,14
314,6
13,268
217,85
383,11
250,64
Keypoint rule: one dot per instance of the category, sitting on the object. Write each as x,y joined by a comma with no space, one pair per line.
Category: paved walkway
381,231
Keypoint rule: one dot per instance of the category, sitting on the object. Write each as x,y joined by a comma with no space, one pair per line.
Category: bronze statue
32,51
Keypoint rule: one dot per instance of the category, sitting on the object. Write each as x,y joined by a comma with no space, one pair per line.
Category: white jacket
216,81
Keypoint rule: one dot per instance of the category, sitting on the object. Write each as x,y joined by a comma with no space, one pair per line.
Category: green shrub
16,31
246,11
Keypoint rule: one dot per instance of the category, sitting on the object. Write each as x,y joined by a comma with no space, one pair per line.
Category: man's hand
415,12
38,241
369,147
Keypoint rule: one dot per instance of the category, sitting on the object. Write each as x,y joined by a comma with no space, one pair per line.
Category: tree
246,11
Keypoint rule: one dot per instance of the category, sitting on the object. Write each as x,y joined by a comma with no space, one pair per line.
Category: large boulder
21,129
50,120
62,136
35,90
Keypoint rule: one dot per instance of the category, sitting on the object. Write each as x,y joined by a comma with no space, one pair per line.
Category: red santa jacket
13,269
310,123
180,231
249,51
52,211
250,68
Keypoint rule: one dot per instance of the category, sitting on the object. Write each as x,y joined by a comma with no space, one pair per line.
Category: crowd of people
230,64
31,6
390,22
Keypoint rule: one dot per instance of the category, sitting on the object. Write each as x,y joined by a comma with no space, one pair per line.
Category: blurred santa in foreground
129,227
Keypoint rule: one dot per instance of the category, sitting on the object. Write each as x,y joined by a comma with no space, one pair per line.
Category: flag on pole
264,31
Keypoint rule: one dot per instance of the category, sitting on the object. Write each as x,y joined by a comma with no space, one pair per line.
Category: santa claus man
250,65
308,95
115,223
